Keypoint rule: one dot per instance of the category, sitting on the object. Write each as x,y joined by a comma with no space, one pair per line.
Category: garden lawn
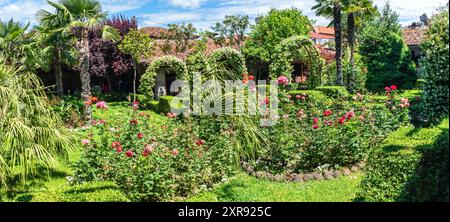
245,188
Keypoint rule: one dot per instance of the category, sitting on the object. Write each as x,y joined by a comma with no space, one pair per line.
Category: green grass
245,188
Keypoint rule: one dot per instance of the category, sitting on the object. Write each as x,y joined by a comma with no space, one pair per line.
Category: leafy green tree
140,46
30,133
270,30
83,16
182,36
273,28
333,9
385,54
436,62
233,28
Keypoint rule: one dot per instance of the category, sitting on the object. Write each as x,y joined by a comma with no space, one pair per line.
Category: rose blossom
85,142
140,135
101,105
129,153
283,80
175,152
315,126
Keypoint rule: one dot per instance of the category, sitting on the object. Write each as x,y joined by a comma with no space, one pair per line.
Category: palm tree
333,9
59,43
81,17
30,133
19,47
357,12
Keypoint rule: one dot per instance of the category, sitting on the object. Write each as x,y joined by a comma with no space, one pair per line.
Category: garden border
302,177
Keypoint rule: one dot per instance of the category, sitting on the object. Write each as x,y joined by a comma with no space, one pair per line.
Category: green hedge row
336,92
411,165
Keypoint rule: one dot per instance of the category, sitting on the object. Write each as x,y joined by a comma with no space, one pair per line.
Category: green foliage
313,96
353,84
386,56
411,165
31,134
176,165
297,144
164,105
336,92
182,36
231,61
88,192
436,62
137,44
232,30
273,28
71,110
18,47
148,79
297,48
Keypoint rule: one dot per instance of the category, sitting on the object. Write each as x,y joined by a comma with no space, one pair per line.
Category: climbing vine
297,48
148,80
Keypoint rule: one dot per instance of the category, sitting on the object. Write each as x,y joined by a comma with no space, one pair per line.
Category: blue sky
204,13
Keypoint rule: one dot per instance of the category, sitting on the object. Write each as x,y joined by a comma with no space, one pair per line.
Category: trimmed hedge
411,165
337,92
89,192
313,95
163,105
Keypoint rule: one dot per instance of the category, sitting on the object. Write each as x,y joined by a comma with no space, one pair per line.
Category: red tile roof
320,36
414,37
324,30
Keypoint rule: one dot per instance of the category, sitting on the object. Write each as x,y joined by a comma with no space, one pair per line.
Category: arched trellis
297,48
165,63
230,59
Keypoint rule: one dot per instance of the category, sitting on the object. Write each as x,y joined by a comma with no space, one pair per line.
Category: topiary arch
230,59
161,66
298,48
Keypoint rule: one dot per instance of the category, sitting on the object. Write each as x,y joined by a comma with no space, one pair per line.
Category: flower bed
155,162
315,134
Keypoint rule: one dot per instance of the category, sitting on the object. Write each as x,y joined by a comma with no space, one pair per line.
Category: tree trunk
134,80
351,42
85,76
338,41
58,72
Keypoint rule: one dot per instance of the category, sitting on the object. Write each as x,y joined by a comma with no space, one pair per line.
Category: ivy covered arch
297,48
159,69
230,59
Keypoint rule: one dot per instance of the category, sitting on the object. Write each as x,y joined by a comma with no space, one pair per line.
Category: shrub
158,163
313,96
411,165
436,62
88,192
336,92
387,57
316,131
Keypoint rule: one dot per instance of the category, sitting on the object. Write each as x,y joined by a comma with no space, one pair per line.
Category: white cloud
186,3
25,10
